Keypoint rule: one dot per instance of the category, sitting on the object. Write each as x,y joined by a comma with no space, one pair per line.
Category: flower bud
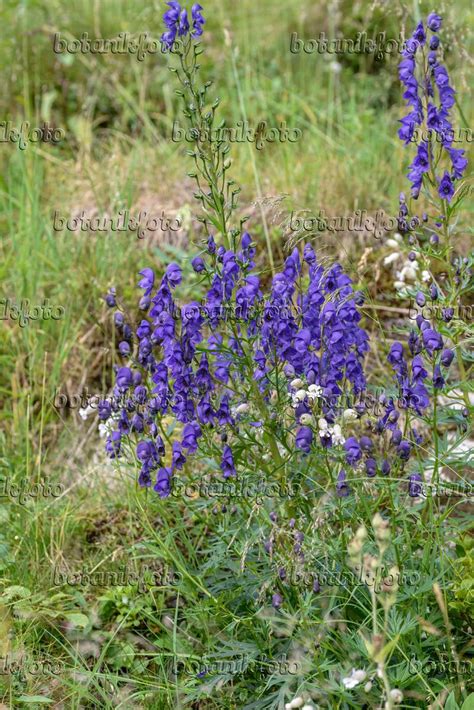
297,384
396,695
300,395
349,415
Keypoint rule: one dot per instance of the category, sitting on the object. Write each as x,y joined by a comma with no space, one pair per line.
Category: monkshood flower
177,23
110,298
198,20
304,438
353,451
342,487
422,80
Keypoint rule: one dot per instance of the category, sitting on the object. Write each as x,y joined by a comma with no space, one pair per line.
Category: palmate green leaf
468,704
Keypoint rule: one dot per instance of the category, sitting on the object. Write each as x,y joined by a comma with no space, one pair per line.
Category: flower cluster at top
176,20
277,354
420,95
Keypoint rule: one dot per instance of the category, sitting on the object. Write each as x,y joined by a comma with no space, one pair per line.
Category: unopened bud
297,384
396,695
349,415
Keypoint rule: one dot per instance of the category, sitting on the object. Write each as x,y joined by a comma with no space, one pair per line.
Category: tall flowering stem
437,175
217,193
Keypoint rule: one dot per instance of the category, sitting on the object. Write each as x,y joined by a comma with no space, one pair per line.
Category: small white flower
354,679
391,259
306,419
242,408
425,276
86,412
337,437
106,428
398,237
297,384
322,424
392,243
335,67
368,686
349,415
297,703
103,431
307,707
314,391
409,271
299,396
398,285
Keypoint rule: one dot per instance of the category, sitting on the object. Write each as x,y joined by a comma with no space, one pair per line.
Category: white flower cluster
106,428
354,679
334,432
85,412
311,394
409,269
